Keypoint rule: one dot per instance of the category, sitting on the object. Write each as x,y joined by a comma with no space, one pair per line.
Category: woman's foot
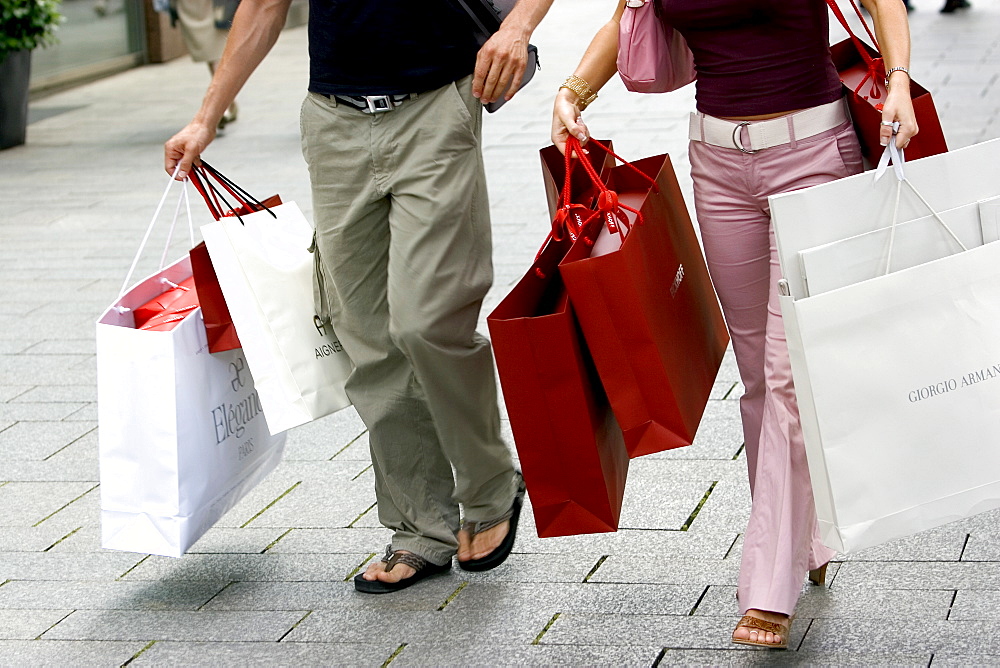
763,629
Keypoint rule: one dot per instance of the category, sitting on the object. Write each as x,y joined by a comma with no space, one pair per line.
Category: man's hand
185,148
500,63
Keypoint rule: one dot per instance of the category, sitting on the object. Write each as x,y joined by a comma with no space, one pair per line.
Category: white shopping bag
265,271
897,377
866,256
182,435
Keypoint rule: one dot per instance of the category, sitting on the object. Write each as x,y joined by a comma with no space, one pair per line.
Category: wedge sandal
757,624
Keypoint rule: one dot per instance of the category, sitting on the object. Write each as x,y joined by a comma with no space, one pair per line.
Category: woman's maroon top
757,56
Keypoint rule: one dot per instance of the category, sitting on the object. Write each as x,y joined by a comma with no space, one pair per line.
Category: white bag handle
895,154
149,229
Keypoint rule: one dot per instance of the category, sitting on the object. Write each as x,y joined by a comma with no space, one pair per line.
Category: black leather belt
372,104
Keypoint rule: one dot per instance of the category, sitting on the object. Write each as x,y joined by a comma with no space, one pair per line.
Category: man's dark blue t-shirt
375,47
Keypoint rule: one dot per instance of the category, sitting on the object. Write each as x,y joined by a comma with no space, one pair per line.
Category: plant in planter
24,25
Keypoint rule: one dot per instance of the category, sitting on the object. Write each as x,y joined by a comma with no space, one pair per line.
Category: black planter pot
15,71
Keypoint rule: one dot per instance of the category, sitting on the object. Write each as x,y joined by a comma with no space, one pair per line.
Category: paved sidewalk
271,584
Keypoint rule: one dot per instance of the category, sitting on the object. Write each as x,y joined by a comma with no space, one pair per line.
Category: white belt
768,133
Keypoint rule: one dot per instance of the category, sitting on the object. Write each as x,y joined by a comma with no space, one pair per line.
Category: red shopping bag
862,72
648,310
570,447
219,328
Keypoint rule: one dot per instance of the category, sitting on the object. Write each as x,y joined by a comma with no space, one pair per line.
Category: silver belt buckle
737,140
379,103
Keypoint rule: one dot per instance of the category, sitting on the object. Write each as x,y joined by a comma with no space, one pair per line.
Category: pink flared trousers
731,189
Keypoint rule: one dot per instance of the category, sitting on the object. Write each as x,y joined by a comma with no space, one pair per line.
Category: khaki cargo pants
403,233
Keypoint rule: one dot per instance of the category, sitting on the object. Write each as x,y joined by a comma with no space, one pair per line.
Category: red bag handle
205,177
571,217
608,205
873,63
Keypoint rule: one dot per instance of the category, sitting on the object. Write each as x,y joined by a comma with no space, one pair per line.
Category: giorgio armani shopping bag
897,375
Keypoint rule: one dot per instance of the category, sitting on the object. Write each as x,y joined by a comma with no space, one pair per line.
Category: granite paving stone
329,541
249,567
661,569
719,435
29,539
822,602
420,654
10,392
34,441
74,394
934,636
85,448
947,660
106,565
919,575
946,543
429,596
676,631
29,503
983,545
88,595
598,598
174,625
27,624
291,654
53,470
675,544
37,412
802,657
645,507
975,605
61,653
439,627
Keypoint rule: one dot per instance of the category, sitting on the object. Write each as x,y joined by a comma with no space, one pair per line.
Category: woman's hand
566,120
898,107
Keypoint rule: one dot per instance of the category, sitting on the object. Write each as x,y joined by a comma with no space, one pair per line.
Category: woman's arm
893,34
598,65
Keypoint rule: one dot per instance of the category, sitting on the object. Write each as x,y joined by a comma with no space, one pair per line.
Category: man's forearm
527,14
256,28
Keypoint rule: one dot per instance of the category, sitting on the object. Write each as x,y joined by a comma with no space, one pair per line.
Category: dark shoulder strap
484,14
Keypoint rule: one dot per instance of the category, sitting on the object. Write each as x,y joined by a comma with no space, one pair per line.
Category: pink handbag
652,56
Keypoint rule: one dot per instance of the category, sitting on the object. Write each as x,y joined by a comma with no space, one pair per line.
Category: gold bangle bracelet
585,95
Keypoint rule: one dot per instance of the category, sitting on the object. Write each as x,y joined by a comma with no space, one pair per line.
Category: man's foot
486,545
397,570
483,543
761,628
